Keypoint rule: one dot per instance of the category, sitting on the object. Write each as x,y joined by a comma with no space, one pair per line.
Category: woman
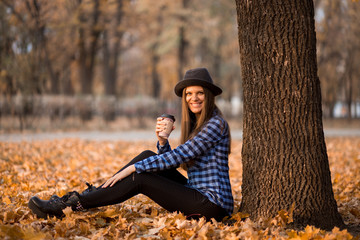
204,150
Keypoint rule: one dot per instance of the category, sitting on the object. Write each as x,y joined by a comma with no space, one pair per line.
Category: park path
135,135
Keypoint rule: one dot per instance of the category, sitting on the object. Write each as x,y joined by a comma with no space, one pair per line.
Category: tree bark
284,153
87,55
348,78
111,58
34,8
183,43
155,57
217,59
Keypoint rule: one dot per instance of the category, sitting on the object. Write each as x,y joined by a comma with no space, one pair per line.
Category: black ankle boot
53,197
54,206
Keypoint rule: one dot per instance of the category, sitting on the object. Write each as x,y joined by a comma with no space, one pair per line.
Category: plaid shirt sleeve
163,149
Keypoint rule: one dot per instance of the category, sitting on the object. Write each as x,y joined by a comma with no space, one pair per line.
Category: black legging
167,188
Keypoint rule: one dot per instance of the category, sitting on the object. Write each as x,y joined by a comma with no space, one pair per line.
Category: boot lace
64,200
90,187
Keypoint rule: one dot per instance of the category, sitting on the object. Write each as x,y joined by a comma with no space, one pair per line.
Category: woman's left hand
119,176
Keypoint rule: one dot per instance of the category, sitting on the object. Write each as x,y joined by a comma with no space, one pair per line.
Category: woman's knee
146,154
140,157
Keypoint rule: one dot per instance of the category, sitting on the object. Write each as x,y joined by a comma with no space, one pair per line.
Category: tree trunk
217,59
284,153
182,43
111,58
349,83
87,55
155,78
85,73
155,57
34,8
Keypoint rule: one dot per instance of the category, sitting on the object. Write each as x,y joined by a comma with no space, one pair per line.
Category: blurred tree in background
84,58
338,46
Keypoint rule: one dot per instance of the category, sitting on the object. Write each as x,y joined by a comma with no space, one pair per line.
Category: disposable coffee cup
169,121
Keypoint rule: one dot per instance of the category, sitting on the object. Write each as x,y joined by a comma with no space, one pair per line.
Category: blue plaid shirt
210,172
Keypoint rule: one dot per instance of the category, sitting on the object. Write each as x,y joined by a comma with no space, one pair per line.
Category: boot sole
36,210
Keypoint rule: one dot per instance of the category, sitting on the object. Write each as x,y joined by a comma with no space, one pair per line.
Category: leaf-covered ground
56,167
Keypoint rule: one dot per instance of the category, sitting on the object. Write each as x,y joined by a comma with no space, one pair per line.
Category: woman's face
194,96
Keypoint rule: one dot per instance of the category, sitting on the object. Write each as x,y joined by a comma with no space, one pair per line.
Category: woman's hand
119,176
160,126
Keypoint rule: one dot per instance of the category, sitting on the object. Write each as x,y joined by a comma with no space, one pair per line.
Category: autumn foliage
55,167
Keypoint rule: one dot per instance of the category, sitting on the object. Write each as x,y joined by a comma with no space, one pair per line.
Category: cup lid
165,115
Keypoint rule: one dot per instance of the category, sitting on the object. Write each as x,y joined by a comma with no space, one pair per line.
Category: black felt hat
197,77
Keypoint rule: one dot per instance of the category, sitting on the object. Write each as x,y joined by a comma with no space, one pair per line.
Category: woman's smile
195,98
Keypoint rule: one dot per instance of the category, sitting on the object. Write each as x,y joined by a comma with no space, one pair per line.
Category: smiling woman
204,150
194,97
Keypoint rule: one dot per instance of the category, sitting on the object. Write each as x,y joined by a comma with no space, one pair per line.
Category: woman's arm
214,131
160,125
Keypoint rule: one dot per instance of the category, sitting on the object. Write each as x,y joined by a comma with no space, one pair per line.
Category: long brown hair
190,126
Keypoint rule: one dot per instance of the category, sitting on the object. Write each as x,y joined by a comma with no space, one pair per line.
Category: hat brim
196,82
